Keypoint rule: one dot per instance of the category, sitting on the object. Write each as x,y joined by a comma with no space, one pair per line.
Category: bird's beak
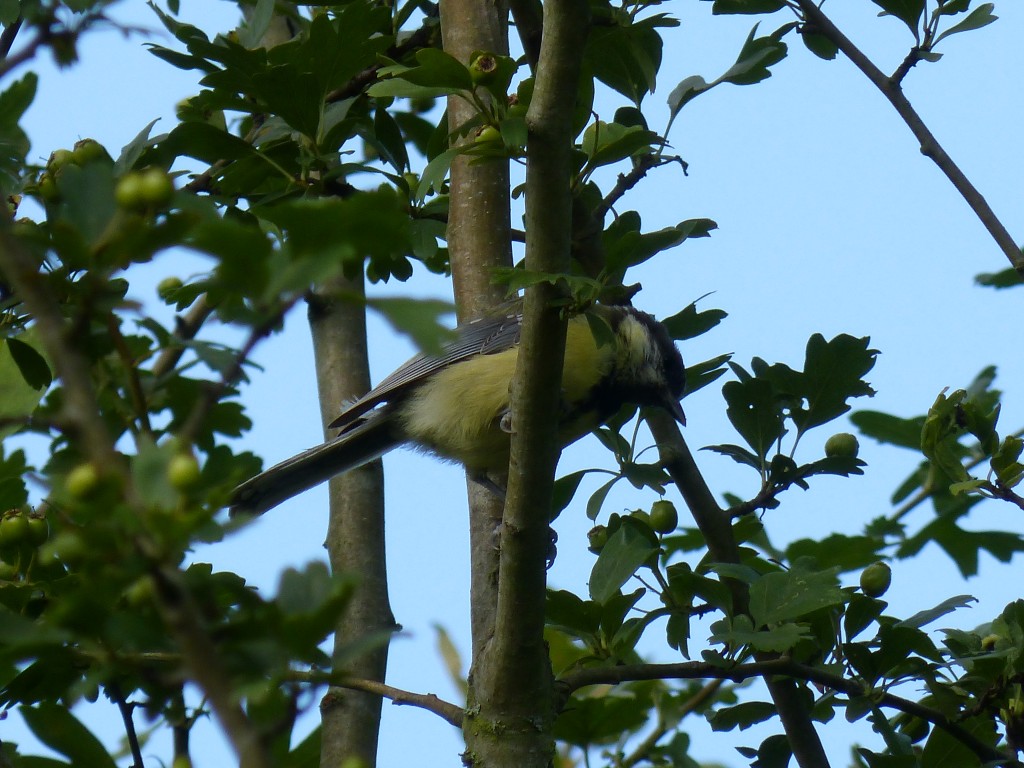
672,405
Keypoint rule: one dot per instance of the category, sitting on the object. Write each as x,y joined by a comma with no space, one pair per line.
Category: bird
455,404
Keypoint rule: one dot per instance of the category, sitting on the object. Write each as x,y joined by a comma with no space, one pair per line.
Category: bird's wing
486,336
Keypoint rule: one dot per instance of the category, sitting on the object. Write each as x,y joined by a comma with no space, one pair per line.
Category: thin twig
930,146
450,713
626,181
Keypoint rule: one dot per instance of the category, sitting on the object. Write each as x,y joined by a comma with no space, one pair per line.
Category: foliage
324,156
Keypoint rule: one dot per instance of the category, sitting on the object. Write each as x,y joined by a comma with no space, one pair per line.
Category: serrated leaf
787,595
756,413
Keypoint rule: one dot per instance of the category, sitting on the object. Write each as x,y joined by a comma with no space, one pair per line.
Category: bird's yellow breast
457,412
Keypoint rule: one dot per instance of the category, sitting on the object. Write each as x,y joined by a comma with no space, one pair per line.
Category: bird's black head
648,368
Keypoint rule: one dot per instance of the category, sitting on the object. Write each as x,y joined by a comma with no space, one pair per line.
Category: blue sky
830,221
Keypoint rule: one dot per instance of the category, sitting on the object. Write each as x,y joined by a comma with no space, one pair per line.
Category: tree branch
355,530
450,713
715,525
7,37
930,147
696,670
479,220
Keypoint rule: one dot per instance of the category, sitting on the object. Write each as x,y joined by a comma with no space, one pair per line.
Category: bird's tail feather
360,445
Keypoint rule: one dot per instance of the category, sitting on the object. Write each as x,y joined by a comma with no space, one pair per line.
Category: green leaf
9,11
821,46
1008,278
689,324
626,56
742,715
722,7
58,729
16,99
18,398
13,468
837,550
149,470
607,143
738,633
755,58
951,7
787,595
567,612
564,490
886,428
832,374
686,91
907,11
948,605
626,551
595,719
861,611
419,319
701,374
256,24
756,412
943,750
980,17
31,364
435,69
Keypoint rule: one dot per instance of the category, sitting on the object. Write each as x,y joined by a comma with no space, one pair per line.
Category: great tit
456,404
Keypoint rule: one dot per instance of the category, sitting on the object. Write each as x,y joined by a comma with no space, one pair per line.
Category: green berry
47,187
87,151
58,159
82,481
664,517
14,530
38,530
183,471
156,187
488,135
875,579
167,287
128,192
483,68
643,516
842,444
597,537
